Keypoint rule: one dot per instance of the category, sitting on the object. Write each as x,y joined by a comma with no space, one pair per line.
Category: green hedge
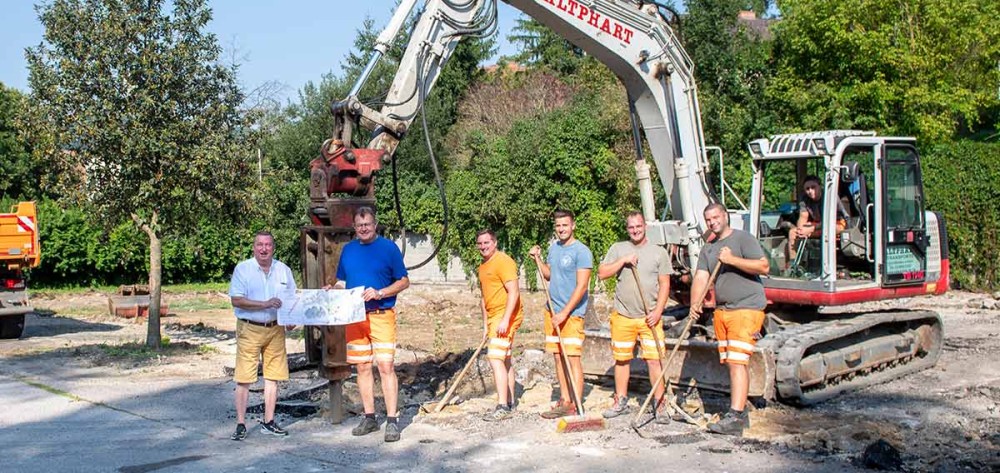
961,181
77,251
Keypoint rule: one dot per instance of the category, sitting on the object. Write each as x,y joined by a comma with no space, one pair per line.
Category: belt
378,311
261,324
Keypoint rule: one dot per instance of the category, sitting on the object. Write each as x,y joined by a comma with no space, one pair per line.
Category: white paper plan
321,306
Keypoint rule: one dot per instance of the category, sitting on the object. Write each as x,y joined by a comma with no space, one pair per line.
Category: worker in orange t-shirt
502,315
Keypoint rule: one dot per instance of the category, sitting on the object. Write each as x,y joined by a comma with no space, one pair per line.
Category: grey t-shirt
735,289
653,262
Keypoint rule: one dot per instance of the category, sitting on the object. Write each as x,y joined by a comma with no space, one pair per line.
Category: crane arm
630,37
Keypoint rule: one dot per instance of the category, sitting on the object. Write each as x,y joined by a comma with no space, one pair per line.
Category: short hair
365,210
562,213
486,231
634,213
715,206
262,233
811,177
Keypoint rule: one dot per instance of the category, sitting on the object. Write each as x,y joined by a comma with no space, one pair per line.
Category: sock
391,420
370,416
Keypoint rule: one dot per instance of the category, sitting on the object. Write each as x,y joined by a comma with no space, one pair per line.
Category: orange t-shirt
493,273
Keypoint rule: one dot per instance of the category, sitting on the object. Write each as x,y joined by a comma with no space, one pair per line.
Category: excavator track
819,360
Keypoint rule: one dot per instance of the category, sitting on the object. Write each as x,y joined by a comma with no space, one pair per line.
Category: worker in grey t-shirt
632,317
740,302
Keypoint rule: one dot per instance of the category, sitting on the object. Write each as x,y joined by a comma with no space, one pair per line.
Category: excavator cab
873,238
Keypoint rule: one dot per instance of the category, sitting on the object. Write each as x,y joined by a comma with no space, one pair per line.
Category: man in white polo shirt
254,289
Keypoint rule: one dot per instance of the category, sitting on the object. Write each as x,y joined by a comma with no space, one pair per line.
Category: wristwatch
380,294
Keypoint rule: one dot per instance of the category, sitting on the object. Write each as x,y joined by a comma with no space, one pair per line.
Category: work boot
619,407
661,411
391,431
367,426
241,432
561,409
499,413
733,423
272,428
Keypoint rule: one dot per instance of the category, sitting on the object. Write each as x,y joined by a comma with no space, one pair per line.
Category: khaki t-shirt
653,262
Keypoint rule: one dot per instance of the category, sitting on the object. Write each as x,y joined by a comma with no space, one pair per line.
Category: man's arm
698,287
396,287
662,295
486,323
536,254
582,280
606,270
759,267
513,294
249,304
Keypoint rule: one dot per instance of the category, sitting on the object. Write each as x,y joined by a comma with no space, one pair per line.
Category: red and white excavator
891,247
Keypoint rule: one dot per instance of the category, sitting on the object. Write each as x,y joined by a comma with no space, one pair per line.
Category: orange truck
19,250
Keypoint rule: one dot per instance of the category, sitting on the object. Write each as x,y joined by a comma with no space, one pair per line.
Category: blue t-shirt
377,265
563,262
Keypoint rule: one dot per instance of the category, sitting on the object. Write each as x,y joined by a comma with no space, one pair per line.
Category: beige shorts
254,342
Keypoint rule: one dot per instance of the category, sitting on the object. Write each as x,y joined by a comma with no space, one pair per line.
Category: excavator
816,343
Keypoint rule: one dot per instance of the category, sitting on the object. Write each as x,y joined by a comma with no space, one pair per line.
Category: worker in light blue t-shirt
568,267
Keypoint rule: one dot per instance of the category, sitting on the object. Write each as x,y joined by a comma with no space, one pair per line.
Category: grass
199,304
207,349
138,351
167,289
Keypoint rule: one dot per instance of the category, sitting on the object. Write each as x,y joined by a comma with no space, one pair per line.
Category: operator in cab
810,221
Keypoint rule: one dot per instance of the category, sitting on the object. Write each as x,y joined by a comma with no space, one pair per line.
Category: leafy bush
76,251
961,182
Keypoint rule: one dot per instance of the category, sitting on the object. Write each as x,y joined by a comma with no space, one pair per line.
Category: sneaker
367,426
619,407
272,428
241,432
561,409
662,412
499,413
733,423
391,432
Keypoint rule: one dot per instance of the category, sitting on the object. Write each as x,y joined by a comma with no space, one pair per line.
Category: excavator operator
810,220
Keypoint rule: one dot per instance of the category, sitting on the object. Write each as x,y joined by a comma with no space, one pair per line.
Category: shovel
461,374
680,339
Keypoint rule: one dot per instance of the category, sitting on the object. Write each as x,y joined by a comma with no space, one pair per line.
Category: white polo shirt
249,281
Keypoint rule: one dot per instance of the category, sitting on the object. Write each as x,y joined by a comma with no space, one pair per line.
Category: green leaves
960,179
926,68
135,94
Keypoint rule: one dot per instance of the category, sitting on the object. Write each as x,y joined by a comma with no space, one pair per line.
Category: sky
291,42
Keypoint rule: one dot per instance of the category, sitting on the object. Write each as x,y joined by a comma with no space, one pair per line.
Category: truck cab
875,240
19,250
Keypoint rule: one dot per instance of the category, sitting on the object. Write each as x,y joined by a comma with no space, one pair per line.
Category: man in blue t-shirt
376,264
568,266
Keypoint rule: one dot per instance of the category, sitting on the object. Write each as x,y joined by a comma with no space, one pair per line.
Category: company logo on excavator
595,19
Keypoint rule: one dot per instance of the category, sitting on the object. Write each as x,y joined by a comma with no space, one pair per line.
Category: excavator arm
630,37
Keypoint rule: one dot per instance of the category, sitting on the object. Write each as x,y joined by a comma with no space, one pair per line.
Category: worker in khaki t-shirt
502,315
630,320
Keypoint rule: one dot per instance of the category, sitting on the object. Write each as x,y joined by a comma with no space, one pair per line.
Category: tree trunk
155,270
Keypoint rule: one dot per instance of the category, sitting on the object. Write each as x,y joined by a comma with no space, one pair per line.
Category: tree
132,97
922,67
16,166
732,69
542,47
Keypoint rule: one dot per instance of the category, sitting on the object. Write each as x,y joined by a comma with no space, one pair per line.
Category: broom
580,422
